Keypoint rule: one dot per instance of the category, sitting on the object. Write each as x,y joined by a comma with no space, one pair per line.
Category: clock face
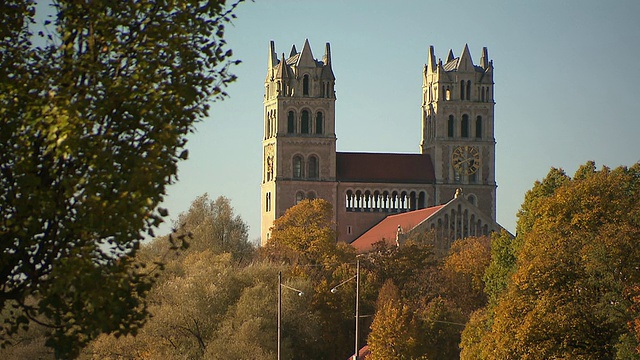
466,160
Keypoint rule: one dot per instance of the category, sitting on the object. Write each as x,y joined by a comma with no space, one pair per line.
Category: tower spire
465,63
484,59
305,59
326,59
431,61
450,56
272,55
282,72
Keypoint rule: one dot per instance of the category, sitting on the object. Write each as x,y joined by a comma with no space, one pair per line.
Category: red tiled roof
388,227
380,167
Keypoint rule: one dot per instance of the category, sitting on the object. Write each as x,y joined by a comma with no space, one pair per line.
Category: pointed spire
484,58
306,56
465,63
293,51
450,56
283,70
327,72
431,61
273,58
326,59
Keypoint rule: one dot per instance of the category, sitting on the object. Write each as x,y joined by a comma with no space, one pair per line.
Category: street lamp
335,289
280,286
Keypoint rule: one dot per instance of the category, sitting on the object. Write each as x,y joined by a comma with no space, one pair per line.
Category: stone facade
299,145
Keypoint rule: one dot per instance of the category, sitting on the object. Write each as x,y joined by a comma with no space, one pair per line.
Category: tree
213,225
192,295
412,266
213,301
304,238
501,266
539,193
393,334
94,123
305,235
434,297
569,294
463,271
634,324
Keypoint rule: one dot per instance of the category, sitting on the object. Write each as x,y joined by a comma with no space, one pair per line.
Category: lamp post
335,289
280,286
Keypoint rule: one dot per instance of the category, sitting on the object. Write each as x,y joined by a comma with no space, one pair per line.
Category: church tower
299,143
457,127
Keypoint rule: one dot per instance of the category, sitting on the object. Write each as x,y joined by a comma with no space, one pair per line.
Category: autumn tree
435,295
501,266
634,323
304,238
568,296
213,225
463,271
94,123
539,193
503,263
215,299
393,333
305,235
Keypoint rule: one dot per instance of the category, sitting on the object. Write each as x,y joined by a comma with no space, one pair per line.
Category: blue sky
567,82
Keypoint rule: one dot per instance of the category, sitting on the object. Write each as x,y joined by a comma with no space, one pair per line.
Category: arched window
464,126
479,127
472,199
450,126
447,94
319,124
299,197
313,167
304,125
297,167
461,89
267,205
291,123
358,200
305,85
468,89
482,94
349,200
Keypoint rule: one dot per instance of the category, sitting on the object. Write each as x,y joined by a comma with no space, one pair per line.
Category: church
449,187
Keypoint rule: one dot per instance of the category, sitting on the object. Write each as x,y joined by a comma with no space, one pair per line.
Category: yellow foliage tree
568,296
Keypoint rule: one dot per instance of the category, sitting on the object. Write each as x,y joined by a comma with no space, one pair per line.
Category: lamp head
334,290
300,293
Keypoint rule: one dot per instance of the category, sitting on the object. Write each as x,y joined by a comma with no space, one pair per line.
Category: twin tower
300,160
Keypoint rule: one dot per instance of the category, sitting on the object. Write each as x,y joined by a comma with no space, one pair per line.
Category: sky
567,82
